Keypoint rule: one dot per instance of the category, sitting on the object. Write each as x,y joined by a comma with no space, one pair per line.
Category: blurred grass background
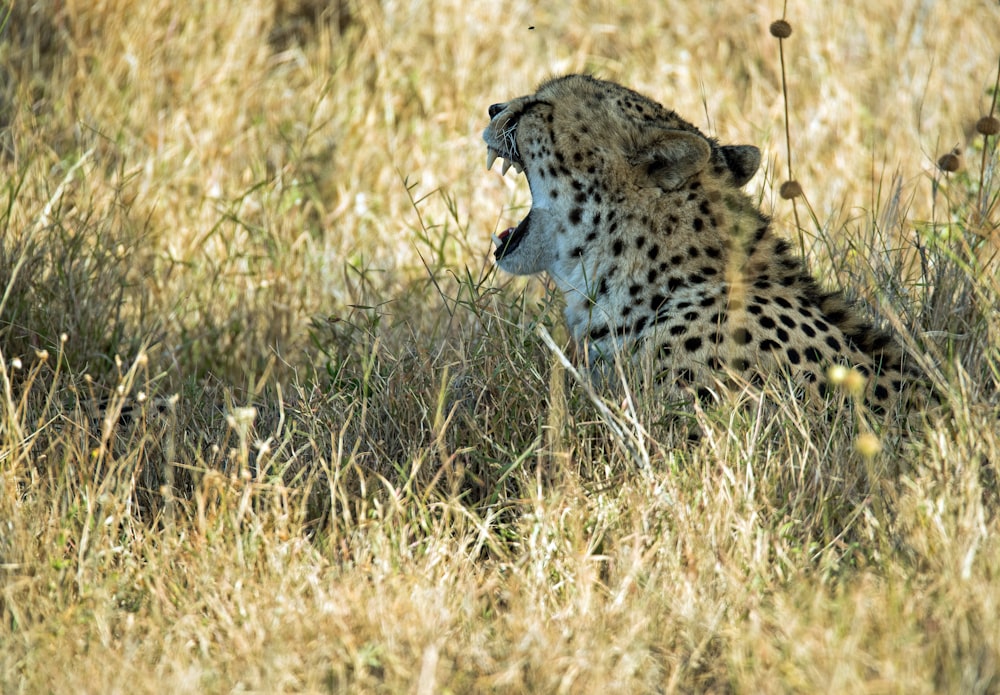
270,420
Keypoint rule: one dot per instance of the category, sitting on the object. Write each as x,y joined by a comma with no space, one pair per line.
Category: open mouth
507,240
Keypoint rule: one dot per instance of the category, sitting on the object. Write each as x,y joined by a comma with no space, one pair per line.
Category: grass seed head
781,29
868,445
988,125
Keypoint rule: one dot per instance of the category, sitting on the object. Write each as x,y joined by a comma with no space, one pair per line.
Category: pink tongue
506,233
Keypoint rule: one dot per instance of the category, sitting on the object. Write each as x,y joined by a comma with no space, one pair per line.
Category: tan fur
641,222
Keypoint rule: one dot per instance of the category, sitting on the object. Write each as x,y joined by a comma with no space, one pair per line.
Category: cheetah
641,222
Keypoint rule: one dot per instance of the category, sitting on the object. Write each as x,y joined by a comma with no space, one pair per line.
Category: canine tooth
505,167
518,168
491,156
497,241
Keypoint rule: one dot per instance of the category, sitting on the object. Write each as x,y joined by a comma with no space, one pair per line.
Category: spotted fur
641,222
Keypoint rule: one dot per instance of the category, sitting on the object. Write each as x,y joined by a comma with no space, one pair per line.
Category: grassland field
271,421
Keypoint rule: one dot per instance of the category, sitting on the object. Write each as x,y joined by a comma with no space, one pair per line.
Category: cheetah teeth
491,157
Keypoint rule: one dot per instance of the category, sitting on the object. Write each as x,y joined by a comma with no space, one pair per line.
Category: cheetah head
589,147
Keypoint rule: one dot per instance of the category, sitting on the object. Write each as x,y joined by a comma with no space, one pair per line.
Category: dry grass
209,206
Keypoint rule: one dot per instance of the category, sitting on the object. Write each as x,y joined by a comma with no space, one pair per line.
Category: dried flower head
790,189
950,162
988,125
781,29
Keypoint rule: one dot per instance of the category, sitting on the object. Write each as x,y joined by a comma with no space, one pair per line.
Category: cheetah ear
669,157
742,161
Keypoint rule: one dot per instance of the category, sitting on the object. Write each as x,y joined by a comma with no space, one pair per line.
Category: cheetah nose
495,109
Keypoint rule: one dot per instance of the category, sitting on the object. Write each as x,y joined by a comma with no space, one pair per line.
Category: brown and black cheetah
641,222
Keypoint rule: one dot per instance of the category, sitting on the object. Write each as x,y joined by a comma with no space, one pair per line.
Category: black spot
813,355
598,333
703,207
698,224
652,275
767,322
808,330
574,215
707,301
833,343
708,270
640,241
634,289
781,334
679,329
657,301
881,392
755,310
742,336
823,388
880,341
783,303
692,344
739,364
602,286
762,284
768,344
693,251
674,283
617,247
787,320
714,363
665,349
597,217
703,394
576,252
691,316
897,385
653,252
712,252
805,311
821,326
793,355
676,260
